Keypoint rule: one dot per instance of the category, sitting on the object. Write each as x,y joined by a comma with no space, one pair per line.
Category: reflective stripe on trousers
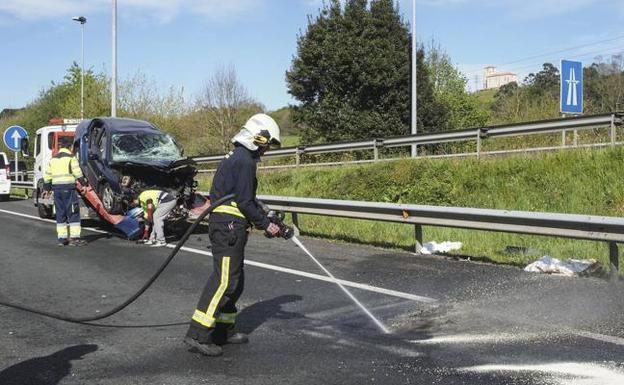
217,303
207,318
67,208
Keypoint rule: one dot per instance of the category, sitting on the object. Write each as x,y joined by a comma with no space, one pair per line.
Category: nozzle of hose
277,217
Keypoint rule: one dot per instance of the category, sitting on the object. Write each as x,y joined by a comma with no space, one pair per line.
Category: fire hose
135,296
286,232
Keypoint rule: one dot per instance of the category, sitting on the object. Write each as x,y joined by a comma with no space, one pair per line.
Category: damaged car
110,149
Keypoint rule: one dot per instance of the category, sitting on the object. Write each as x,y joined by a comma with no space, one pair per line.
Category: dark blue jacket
236,174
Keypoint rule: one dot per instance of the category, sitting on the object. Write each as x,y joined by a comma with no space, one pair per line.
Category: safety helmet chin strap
262,139
254,142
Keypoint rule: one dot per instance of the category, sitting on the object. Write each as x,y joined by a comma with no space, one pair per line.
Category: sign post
13,137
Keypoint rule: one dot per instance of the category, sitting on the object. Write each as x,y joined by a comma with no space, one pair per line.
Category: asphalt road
451,322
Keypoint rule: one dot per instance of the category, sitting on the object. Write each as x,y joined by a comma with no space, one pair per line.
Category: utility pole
114,64
82,20
414,86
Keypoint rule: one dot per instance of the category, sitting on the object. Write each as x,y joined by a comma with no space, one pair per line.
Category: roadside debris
569,267
521,250
444,247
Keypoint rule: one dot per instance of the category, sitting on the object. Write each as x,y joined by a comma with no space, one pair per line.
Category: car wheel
4,197
44,211
109,199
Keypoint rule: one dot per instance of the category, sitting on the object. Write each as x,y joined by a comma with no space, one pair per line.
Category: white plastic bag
570,267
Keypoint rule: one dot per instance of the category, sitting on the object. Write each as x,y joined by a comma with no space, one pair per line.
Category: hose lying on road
85,320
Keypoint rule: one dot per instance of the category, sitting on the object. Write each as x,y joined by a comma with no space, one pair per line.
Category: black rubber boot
237,338
208,349
200,341
77,242
225,334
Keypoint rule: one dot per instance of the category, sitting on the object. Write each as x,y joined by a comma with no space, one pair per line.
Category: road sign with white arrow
13,137
571,87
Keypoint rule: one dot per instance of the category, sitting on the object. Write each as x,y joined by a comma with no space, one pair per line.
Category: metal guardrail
28,185
478,134
587,227
22,180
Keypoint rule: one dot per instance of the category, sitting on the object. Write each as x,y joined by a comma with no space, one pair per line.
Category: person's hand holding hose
277,228
272,231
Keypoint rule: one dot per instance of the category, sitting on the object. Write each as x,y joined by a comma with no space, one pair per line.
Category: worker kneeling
156,205
61,175
213,321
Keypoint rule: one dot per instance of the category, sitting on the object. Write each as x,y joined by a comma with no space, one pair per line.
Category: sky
181,43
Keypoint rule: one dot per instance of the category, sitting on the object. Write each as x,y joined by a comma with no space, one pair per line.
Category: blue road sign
13,137
571,87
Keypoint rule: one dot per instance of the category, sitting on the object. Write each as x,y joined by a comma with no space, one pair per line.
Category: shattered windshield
141,147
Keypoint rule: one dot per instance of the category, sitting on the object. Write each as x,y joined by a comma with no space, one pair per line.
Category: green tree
140,98
352,74
544,82
222,108
449,85
536,99
62,100
96,93
604,85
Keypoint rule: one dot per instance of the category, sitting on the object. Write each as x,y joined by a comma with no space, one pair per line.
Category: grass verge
571,181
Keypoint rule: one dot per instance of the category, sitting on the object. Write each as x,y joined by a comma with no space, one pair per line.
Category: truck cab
46,146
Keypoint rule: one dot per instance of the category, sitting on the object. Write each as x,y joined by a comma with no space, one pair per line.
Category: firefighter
61,175
212,323
156,205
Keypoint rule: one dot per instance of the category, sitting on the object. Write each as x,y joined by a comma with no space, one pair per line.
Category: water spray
381,326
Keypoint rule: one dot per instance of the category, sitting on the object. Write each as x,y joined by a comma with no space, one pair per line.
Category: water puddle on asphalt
567,373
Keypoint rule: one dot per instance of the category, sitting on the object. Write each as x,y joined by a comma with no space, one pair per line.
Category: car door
95,163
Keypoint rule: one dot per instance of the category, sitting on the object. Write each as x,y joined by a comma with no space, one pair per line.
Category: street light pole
114,64
82,20
414,89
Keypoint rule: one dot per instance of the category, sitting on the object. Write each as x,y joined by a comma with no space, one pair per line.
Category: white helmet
259,131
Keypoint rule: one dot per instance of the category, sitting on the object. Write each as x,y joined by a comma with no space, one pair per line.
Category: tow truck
108,149
46,146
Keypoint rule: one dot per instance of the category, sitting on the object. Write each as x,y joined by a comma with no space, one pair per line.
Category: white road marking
471,339
349,311
48,220
581,333
392,293
361,286
341,340
600,337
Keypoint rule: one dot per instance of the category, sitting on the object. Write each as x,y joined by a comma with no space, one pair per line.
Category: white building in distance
495,79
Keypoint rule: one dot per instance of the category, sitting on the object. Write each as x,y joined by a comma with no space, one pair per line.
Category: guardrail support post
297,158
563,135
295,221
478,144
419,238
614,260
612,130
575,137
375,152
